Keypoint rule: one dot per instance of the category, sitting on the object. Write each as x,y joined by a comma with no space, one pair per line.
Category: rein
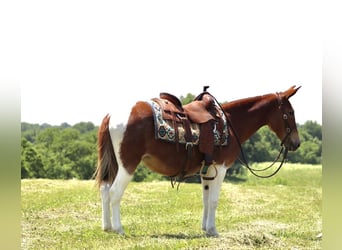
244,161
252,170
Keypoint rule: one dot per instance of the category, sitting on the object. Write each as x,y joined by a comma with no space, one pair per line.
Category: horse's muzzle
294,145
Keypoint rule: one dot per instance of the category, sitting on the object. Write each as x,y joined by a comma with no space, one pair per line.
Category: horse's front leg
211,192
205,187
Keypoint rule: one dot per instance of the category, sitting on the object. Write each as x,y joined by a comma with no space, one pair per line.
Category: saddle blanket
164,129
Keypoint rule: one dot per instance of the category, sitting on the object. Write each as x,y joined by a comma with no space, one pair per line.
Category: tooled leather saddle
184,120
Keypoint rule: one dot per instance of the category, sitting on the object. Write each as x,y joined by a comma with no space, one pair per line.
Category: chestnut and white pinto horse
121,149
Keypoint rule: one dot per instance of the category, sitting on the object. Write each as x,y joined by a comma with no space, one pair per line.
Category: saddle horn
205,88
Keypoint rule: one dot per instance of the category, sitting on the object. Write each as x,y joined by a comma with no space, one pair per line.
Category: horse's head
283,121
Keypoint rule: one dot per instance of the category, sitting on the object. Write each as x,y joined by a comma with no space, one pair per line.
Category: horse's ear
291,91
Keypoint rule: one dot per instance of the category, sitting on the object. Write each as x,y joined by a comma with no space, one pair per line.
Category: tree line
64,152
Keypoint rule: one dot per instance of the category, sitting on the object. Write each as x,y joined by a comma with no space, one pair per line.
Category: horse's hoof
110,229
212,233
107,228
119,231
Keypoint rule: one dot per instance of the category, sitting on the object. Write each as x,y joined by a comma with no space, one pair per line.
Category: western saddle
203,111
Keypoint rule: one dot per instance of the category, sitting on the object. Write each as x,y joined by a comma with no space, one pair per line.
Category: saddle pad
164,129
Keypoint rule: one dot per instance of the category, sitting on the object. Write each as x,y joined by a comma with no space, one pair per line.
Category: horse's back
139,111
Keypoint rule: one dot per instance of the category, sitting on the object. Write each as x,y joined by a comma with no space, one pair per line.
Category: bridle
285,118
283,147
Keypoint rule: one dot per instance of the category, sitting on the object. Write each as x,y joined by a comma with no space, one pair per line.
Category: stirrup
204,168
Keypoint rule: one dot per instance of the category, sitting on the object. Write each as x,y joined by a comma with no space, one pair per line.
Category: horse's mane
248,103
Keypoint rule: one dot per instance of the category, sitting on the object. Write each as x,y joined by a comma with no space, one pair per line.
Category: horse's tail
107,166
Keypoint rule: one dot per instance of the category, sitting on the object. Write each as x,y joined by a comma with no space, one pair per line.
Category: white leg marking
121,181
116,192
211,192
106,224
205,187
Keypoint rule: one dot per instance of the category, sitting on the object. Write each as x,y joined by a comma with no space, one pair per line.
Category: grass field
283,212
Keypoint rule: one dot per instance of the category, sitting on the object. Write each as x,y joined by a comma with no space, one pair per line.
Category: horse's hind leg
116,192
104,189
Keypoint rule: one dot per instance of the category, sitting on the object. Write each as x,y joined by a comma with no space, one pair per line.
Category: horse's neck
250,114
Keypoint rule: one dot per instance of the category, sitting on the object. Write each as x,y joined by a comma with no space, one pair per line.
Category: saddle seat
198,111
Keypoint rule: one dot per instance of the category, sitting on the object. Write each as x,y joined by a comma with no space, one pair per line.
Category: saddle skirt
181,124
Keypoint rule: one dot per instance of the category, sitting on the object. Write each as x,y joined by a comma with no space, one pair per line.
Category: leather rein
244,161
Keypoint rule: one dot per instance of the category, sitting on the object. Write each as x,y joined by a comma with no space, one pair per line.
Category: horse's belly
158,165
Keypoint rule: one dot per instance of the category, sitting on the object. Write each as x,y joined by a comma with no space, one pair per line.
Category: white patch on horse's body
111,196
116,134
211,192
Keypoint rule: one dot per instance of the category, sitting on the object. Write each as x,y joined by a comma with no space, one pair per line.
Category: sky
79,60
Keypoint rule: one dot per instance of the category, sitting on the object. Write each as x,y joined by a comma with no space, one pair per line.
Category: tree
29,131
187,99
31,163
310,150
84,127
48,137
255,150
313,129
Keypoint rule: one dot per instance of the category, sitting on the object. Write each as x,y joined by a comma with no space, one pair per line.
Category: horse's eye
291,112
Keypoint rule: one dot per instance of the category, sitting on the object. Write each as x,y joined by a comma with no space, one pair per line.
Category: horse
122,148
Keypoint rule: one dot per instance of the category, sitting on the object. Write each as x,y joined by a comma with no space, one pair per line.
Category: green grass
284,212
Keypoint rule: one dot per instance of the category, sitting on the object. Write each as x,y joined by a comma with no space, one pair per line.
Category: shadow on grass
179,236
235,179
